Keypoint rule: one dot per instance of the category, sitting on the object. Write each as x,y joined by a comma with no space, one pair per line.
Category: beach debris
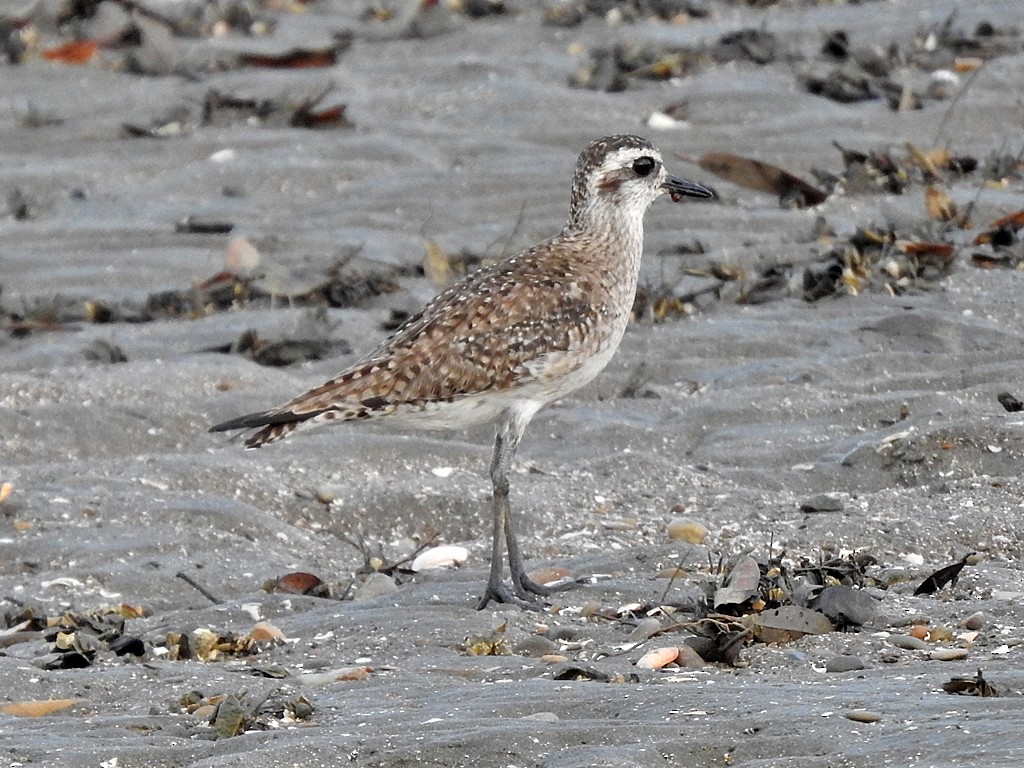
447,556
844,663
75,639
658,658
687,529
788,623
77,52
199,225
845,606
297,583
265,632
580,673
862,716
204,644
494,644
792,191
740,584
908,642
352,674
175,124
948,574
822,502
234,714
948,654
298,58
971,686
37,708
974,622
375,585
718,639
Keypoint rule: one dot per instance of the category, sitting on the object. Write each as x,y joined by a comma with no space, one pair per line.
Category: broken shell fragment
658,658
440,557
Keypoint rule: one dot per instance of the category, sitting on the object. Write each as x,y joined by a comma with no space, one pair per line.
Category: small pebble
537,646
687,529
908,643
376,584
844,663
689,658
975,621
658,658
948,654
644,629
862,716
544,717
822,503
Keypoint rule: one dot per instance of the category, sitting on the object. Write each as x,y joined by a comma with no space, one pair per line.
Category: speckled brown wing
497,329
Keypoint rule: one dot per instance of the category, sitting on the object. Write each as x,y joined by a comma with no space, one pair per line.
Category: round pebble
687,529
975,621
908,643
844,663
534,645
862,716
376,584
644,629
658,658
689,658
948,654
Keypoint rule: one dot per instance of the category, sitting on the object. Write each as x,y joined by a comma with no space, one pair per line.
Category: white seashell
440,557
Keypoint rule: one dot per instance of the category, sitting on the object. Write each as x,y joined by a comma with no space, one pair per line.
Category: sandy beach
207,192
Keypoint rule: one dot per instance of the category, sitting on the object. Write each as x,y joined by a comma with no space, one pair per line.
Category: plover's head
627,173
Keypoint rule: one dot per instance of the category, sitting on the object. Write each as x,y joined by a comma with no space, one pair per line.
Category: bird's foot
525,586
499,593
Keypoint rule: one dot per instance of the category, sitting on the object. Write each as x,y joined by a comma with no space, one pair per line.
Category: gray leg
504,449
510,432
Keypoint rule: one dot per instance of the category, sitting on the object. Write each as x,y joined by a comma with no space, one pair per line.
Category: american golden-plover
509,338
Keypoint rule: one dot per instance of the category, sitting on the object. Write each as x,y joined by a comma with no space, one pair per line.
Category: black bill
678,188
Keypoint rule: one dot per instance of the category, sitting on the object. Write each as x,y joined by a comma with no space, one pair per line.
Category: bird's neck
613,239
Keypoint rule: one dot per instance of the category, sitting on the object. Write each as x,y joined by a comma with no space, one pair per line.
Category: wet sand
736,414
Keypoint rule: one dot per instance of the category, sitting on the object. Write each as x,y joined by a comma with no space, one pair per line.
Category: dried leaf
297,58
329,117
925,162
1002,231
740,585
353,673
939,205
296,583
76,53
37,708
436,264
789,623
763,176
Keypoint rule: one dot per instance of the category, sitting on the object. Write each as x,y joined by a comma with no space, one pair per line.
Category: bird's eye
643,166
